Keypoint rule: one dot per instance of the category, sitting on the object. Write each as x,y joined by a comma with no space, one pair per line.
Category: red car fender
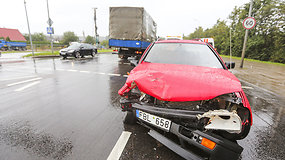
246,104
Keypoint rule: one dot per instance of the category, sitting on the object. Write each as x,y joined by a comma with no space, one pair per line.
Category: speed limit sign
249,23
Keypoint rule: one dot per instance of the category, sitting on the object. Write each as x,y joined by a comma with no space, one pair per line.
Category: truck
174,38
7,45
131,31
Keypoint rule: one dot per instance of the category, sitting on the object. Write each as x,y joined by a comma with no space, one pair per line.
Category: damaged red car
183,92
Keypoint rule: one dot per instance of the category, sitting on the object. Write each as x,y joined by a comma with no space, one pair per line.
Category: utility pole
96,34
245,37
230,48
31,41
50,23
83,36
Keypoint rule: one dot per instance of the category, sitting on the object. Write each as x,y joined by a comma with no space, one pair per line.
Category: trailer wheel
122,56
130,118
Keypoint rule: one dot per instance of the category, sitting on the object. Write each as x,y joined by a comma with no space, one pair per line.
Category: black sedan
78,50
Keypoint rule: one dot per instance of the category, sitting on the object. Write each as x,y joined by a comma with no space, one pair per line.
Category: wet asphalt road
68,109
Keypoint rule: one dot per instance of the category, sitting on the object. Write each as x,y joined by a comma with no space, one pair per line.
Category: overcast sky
173,17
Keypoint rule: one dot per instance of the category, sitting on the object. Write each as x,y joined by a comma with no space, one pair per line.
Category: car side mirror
230,65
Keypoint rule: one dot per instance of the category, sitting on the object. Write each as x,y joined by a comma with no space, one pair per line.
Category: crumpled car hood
172,82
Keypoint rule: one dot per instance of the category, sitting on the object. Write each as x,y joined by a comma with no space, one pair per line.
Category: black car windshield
74,46
183,53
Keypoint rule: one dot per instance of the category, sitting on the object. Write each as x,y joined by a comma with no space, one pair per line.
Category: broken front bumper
188,142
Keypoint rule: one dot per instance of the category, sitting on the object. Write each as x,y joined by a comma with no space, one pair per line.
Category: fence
42,47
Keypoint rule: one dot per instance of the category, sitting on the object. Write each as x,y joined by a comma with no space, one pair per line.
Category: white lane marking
17,78
84,71
110,74
246,87
72,70
29,80
27,86
126,76
119,146
113,74
100,73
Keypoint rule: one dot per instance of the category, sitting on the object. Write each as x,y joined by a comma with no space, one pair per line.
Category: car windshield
183,53
74,46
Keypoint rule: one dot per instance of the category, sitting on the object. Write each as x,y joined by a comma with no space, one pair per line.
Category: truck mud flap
173,146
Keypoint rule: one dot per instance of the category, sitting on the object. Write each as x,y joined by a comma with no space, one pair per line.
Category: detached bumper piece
198,145
173,146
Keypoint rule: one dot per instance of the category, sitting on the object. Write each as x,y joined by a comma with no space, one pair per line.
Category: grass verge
43,54
253,60
105,50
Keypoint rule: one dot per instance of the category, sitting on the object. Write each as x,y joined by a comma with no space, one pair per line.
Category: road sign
49,22
50,30
249,23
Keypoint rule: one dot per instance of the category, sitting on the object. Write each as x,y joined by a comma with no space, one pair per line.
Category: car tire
93,53
130,118
77,55
64,57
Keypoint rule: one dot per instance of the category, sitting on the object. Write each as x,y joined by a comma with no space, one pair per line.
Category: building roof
13,34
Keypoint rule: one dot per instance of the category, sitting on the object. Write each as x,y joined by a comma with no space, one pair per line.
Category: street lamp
31,41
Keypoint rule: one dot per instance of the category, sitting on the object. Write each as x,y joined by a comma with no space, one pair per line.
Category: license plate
154,120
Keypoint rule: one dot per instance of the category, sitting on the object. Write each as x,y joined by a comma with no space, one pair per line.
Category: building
13,34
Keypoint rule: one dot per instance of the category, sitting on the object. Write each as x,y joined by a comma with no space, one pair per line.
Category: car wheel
64,57
93,53
130,118
77,55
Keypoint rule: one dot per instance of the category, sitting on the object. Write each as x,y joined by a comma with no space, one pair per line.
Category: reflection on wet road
73,112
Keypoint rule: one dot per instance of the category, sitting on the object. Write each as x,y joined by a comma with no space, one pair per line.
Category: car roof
181,41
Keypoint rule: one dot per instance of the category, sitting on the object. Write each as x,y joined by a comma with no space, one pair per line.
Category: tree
265,41
8,39
90,40
26,37
69,37
105,43
198,33
38,37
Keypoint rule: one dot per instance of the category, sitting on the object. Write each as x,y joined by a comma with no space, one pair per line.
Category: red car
183,92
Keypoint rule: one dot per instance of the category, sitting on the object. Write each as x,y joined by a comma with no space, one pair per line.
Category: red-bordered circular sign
249,23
